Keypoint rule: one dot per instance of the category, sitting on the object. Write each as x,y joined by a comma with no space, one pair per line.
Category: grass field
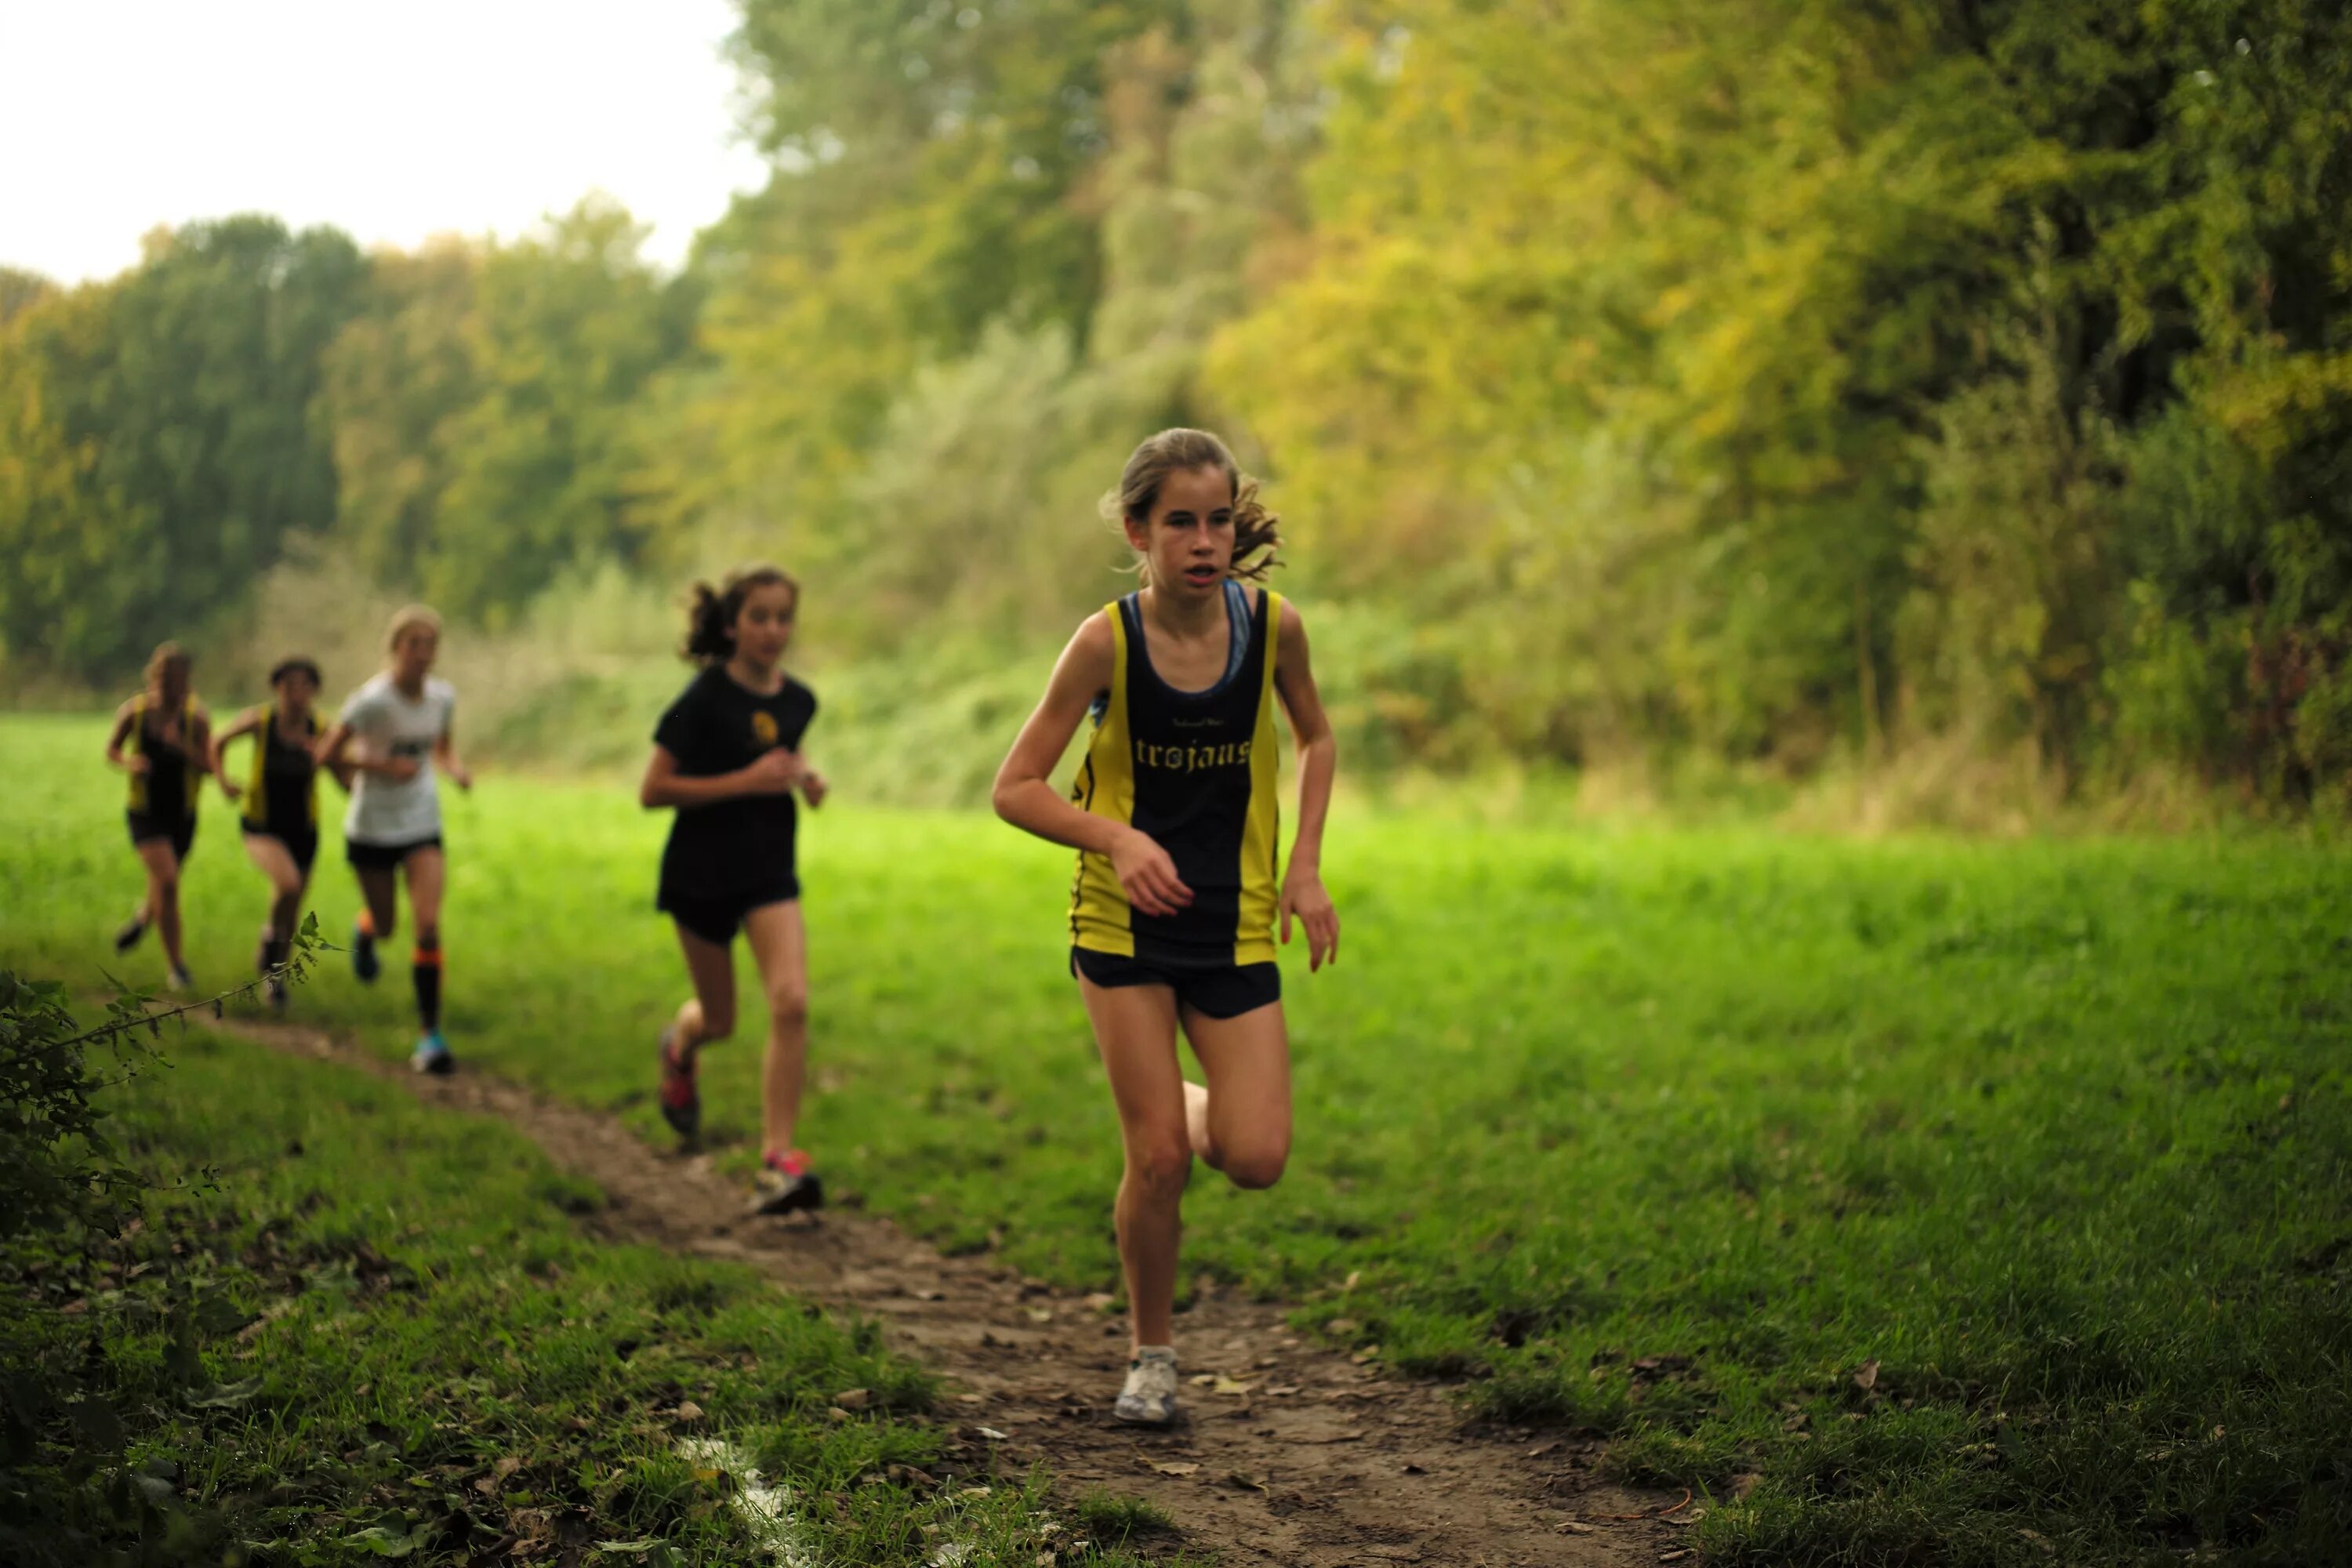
1670,1135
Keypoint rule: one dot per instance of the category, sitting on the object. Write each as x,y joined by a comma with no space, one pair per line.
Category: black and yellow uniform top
167,791
1194,770
281,794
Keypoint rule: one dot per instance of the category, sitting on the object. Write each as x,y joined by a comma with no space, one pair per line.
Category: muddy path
1319,1463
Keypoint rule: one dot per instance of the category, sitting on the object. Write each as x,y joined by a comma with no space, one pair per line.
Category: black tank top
282,795
1195,770
166,791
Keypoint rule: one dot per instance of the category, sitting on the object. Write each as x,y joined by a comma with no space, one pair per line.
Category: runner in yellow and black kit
282,803
159,738
1173,919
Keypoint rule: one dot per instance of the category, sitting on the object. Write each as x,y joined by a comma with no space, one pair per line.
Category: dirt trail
1321,1464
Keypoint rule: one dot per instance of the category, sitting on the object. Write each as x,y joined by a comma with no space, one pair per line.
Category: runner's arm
334,751
124,717
1302,884
775,772
445,757
215,754
1024,795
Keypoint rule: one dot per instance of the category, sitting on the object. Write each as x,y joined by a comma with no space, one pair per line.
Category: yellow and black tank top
167,790
281,792
1195,770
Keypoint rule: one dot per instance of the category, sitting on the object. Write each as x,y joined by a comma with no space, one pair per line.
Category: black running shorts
716,921
301,843
145,829
384,857
1222,992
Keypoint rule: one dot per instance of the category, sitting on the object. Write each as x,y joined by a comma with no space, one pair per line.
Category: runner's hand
1148,875
814,787
134,761
1303,895
775,772
401,768
463,777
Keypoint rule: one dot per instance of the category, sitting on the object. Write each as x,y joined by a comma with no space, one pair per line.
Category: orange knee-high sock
425,974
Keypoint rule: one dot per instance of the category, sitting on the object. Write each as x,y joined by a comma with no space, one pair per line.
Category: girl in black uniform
159,738
727,757
282,803
1173,915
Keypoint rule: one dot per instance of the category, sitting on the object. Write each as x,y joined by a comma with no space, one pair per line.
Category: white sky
392,122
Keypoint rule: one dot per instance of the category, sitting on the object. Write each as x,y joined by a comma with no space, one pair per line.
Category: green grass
350,1327
1667,1135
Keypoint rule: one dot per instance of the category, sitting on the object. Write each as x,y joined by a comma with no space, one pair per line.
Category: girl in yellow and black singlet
160,739
1178,895
282,803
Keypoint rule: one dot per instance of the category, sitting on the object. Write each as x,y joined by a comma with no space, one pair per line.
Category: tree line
1773,382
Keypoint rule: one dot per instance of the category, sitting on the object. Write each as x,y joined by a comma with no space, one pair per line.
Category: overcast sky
392,122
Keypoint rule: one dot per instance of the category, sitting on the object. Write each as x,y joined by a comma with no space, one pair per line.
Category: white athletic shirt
385,810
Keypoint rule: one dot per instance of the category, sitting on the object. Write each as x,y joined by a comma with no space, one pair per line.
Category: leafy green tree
162,428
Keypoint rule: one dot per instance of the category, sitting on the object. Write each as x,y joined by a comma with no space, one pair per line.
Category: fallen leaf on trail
1252,1483
507,1467
1867,1378
227,1396
1541,1450
972,1398
835,1413
1176,1466
990,1433
975,1491
2038,1542
1368,1353
1354,1276
689,1412
646,1545
1676,1556
1041,1314
853,1398
2219,1429
1797,1422
488,1486
1743,1483
930,1295
1340,1328
1101,1301
1205,1379
1281,1388
1575,1527
1229,1388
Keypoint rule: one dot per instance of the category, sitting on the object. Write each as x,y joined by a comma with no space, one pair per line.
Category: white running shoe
1149,1397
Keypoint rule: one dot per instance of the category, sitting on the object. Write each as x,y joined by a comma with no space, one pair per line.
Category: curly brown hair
711,612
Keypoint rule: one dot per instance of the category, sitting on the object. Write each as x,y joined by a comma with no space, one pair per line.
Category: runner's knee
1160,1165
788,1004
713,1023
1252,1165
428,937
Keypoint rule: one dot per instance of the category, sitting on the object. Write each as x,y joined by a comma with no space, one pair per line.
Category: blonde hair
1257,531
711,612
407,619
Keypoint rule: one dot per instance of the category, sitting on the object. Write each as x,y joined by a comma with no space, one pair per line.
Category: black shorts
146,829
716,921
384,857
301,843
1218,991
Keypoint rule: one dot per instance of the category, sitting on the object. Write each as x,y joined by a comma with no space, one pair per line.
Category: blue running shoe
432,1055
364,963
